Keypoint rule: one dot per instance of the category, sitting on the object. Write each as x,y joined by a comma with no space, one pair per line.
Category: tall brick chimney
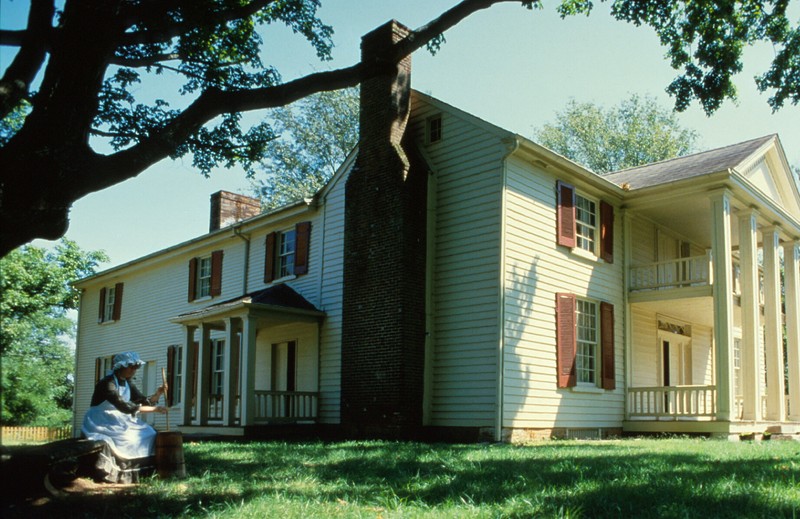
383,322
228,208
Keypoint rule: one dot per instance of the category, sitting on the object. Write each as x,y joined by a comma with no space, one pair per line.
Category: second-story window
583,223
286,253
205,276
586,223
110,303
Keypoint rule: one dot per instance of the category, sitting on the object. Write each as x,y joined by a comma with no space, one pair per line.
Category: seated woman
114,418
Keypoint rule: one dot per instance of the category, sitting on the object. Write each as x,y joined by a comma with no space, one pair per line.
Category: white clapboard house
456,280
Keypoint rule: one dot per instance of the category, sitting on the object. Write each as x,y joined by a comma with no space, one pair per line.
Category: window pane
286,250
585,223
586,354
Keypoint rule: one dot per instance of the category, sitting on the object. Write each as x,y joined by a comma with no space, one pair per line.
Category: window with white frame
434,129
176,384
286,252
110,301
587,342
586,223
217,366
204,277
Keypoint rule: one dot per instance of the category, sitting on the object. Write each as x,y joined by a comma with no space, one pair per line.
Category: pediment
768,171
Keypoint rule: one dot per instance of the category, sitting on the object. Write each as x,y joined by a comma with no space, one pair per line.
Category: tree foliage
35,330
315,136
637,131
85,69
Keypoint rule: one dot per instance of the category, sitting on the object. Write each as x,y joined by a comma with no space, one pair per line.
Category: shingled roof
696,165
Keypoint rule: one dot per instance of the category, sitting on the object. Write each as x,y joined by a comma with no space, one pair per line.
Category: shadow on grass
623,479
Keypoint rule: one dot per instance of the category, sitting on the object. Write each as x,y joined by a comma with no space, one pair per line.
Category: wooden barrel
169,455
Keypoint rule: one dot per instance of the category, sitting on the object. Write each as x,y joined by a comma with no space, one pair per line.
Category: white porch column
776,408
248,385
751,311
723,301
231,367
203,382
186,374
791,266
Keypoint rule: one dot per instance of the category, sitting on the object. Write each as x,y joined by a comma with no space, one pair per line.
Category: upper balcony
693,273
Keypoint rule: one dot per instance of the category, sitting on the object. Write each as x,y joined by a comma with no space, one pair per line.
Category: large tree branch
211,103
17,79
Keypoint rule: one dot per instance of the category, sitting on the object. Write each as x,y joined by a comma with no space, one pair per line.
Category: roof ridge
699,153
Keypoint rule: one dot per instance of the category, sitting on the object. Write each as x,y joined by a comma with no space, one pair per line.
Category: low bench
27,469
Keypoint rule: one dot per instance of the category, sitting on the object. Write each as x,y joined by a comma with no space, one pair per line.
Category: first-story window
102,365
217,366
175,374
586,354
584,342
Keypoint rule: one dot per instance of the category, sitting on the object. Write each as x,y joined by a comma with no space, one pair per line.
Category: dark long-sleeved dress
113,417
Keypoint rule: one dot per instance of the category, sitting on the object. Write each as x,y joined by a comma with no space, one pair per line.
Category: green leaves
314,137
35,294
637,131
705,40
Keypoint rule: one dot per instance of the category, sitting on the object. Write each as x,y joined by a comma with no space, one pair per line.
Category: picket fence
34,434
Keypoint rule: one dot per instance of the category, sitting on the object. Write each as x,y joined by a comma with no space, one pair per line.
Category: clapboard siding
468,170
535,270
156,290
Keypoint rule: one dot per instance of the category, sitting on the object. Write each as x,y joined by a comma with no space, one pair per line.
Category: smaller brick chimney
228,208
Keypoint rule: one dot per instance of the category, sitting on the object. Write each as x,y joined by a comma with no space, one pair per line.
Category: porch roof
279,298
689,166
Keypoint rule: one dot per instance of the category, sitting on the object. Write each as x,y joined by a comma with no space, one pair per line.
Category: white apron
127,435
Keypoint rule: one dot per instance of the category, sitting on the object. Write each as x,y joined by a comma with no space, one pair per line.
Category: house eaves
548,159
211,239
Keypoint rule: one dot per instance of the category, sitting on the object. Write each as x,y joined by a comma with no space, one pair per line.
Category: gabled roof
696,165
278,297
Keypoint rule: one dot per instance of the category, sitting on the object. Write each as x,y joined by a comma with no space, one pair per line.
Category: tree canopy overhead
78,70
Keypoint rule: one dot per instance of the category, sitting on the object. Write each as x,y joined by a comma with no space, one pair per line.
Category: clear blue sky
510,66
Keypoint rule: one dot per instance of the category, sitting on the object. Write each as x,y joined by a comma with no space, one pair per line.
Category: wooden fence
34,434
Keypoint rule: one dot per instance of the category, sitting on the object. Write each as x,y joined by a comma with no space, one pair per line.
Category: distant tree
83,67
315,135
35,331
637,131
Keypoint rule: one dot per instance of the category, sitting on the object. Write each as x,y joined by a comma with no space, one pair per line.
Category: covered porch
252,361
714,338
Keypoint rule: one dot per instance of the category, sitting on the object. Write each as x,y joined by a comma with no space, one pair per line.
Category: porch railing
682,272
286,406
672,402
272,407
739,406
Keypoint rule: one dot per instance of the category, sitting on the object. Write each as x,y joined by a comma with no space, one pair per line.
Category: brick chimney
228,208
383,322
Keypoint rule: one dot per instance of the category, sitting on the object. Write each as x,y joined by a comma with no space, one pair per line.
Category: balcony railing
672,402
682,272
686,272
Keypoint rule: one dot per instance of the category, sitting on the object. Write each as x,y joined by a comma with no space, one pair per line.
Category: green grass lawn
628,478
